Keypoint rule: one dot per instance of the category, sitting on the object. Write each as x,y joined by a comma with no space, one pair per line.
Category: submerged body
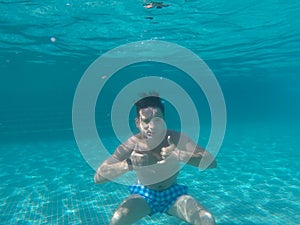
155,155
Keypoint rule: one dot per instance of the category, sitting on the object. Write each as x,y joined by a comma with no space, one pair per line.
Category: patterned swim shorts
159,201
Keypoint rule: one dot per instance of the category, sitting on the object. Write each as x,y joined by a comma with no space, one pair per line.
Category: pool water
256,182
253,50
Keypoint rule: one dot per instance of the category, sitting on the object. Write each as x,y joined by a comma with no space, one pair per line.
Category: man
158,5
154,154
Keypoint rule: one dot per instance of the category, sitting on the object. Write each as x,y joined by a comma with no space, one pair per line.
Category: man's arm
191,153
194,158
116,165
110,169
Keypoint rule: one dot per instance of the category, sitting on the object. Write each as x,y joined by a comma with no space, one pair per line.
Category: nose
150,126
155,122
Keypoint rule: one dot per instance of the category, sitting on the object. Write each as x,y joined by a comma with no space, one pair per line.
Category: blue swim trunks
159,201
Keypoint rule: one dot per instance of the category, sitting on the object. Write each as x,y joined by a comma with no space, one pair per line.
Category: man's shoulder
134,138
132,141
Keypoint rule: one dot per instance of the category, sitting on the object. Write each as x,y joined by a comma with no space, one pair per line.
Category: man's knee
131,209
133,200
119,215
204,218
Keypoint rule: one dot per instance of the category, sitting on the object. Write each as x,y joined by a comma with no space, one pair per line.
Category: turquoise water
253,49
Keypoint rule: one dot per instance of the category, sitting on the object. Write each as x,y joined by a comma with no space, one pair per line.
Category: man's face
151,123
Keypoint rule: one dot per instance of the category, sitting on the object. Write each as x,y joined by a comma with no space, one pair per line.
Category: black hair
149,101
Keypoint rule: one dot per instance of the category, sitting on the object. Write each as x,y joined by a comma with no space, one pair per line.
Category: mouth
149,133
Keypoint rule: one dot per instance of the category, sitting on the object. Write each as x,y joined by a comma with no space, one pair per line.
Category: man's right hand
166,151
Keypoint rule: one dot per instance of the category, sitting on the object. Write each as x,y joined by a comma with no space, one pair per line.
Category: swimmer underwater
154,154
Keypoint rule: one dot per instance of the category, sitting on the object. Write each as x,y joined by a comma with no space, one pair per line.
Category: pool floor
49,182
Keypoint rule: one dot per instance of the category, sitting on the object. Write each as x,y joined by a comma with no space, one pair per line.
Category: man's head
150,117
149,101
